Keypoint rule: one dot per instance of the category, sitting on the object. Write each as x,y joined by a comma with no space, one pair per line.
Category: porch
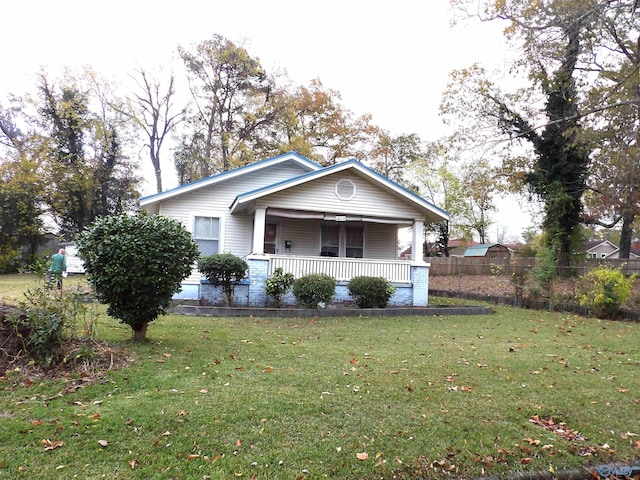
411,279
342,269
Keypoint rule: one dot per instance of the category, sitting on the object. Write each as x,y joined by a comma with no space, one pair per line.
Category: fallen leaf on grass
362,455
103,443
268,370
193,456
204,390
133,463
49,445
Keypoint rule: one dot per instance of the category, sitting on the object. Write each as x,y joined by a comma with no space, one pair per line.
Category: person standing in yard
57,268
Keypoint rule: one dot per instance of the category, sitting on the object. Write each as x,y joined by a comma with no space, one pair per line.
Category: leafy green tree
440,184
481,183
21,189
135,265
87,172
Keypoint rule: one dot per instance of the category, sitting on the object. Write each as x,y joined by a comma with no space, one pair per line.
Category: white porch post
258,230
417,241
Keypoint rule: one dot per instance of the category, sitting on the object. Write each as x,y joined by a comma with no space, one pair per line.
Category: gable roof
304,162
352,165
594,244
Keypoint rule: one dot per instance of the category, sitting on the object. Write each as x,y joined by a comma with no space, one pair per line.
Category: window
355,242
345,189
206,233
270,237
330,241
342,241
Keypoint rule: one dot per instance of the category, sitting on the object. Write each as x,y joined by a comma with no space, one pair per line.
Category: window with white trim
342,241
206,233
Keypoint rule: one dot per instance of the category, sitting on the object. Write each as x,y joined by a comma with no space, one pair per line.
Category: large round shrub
135,264
313,289
223,270
370,292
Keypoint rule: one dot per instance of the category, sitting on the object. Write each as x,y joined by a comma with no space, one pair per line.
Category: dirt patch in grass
84,361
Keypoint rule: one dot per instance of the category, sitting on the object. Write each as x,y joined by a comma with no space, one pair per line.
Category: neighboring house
488,250
290,212
456,248
605,249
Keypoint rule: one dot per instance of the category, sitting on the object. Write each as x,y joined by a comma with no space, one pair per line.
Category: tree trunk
626,234
140,332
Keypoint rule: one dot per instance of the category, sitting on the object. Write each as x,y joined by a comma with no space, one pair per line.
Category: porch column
417,241
258,230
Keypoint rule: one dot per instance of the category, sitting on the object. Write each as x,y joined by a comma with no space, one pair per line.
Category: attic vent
345,189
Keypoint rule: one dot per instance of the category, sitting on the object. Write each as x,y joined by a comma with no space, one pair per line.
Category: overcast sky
390,59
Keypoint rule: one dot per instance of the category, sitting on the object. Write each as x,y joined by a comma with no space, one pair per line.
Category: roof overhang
224,176
244,201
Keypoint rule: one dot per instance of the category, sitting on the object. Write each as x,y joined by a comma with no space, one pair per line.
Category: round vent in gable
345,189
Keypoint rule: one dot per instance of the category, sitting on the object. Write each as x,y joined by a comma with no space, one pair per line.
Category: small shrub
277,285
223,270
313,289
604,291
543,275
371,292
43,325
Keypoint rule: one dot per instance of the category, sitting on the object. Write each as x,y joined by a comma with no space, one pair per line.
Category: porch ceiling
306,214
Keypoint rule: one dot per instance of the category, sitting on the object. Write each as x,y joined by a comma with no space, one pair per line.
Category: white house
290,212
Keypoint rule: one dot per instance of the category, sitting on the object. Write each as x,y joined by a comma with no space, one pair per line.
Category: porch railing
343,269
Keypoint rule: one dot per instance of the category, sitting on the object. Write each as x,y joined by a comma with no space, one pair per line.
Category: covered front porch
410,279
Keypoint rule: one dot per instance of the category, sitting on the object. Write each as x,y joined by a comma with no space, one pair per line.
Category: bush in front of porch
313,289
371,292
223,270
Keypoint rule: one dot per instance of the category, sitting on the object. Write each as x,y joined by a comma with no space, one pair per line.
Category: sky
389,59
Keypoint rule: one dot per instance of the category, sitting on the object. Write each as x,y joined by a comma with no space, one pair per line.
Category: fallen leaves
51,445
563,431
362,456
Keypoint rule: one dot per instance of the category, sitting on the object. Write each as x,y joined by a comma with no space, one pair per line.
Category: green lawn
369,398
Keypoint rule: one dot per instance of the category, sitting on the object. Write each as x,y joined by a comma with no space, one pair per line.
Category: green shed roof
480,250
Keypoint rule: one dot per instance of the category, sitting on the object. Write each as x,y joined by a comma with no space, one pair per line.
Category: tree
313,122
88,174
151,108
552,37
591,49
232,103
442,187
480,180
392,156
135,265
21,189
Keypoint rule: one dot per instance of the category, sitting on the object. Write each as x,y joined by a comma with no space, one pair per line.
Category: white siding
236,230
381,241
319,195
